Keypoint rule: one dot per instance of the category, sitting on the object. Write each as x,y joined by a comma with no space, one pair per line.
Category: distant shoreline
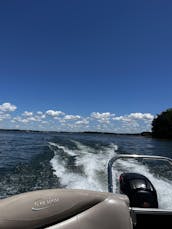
147,134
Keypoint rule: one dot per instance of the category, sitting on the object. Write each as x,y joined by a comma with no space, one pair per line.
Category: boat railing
130,156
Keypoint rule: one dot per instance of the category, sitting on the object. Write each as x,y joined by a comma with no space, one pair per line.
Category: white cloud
98,115
33,119
54,113
135,116
82,122
39,112
120,118
134,122
19,119
28,117
102,117
27,114
58,120
72,117
4,116
7,107
141,116
44,122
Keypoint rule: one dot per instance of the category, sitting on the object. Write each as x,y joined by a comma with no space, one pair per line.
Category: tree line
162,125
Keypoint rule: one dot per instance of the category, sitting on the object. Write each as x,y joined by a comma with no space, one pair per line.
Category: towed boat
135,206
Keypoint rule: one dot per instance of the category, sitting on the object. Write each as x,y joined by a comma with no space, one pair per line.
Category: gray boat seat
65,209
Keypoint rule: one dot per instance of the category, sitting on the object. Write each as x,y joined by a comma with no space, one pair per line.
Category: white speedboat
135,207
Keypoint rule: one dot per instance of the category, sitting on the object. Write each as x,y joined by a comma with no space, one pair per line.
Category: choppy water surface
32,161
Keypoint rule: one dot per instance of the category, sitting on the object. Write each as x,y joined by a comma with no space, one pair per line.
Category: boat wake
82,168
85,167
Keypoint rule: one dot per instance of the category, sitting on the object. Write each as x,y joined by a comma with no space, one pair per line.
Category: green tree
162,125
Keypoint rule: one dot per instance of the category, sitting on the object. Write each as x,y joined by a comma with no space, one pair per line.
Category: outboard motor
139,190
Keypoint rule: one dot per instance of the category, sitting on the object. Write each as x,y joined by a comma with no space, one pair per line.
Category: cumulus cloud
102,117
58,120
7,107
98,115
27,114
82,122
134,122
54,113
5,110
4,116
135,116
39,112
72,117
120,118
141,116
19,119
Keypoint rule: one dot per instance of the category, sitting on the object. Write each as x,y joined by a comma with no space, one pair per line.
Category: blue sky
84,65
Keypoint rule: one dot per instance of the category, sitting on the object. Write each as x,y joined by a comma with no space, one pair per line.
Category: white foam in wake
93,163
94,170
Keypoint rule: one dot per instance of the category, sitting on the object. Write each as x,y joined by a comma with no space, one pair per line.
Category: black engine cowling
139,190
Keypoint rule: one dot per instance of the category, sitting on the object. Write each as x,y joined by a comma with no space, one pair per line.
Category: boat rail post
110,181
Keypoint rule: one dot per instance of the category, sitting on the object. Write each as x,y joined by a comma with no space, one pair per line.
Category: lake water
38,160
